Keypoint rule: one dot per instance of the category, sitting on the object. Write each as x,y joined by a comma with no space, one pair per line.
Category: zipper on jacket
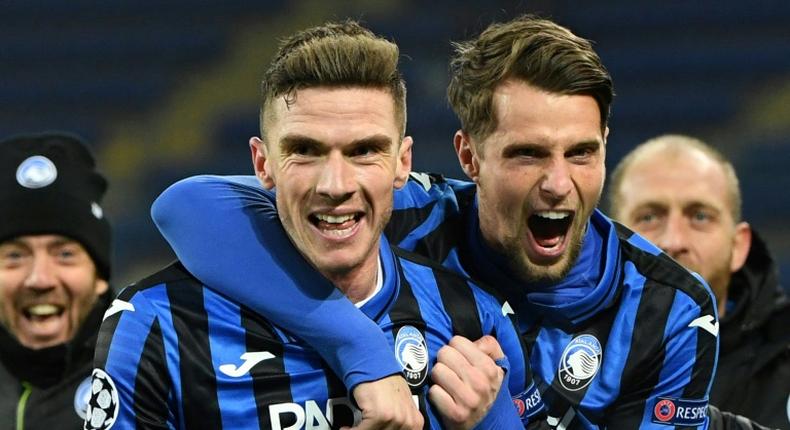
20,407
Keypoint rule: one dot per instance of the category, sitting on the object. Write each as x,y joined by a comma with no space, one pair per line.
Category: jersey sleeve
502,415
226,232
498,319
679,398
130,385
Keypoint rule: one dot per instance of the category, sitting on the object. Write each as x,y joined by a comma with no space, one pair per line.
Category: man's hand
467,380
387,404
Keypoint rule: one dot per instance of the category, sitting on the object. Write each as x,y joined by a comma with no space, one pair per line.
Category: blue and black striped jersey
173,353
638,351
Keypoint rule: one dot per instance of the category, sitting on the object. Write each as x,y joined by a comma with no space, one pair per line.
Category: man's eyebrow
592,143
379,140
62,240
699,204
298,139
651,204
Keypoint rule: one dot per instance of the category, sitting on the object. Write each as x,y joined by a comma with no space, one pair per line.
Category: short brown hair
538,51
335,54
674,144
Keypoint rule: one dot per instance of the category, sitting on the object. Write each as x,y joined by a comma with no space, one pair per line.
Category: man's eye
11,258
302,150
701,217
67,254
581,152
363,151
646,218
522,153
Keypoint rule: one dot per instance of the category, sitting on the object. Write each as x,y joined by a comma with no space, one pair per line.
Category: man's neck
359,283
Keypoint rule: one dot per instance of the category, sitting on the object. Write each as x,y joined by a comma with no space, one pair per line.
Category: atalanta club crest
580,362
412,354
37,171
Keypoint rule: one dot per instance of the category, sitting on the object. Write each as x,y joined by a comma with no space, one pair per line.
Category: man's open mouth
41,312
335,225
549,228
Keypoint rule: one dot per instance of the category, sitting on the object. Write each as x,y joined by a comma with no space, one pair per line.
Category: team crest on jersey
37,171
580,362
412,354
102,408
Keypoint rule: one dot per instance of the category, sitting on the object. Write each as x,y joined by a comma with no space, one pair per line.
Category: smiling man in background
54,267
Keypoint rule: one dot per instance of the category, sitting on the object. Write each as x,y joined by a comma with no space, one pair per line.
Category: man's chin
547,274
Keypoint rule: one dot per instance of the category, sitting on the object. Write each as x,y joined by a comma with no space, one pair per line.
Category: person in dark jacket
54,271
683,195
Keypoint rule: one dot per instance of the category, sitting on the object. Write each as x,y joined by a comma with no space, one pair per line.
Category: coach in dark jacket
54,267
753,376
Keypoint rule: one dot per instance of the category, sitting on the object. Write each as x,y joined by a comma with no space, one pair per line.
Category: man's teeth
553,215
339,219
340,233
43,310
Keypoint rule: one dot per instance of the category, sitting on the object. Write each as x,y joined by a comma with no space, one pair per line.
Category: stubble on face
542,165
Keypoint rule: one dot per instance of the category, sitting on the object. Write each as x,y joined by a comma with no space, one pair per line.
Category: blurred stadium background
167,89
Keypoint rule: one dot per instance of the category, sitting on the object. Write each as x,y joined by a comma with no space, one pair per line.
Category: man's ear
467,154
742,242
403,166
260,162
101,286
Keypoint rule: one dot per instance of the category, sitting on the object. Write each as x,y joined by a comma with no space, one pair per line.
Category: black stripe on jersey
668,271
153,380
406,311
704,365
437,244
270,382
665,270
197,371
108,328
525,350
404,221
459,303
175,271
341,416
647,346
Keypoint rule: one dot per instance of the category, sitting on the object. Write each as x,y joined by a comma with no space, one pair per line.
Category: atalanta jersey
628,340
173,353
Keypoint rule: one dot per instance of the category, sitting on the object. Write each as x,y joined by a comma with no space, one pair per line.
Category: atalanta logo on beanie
37,171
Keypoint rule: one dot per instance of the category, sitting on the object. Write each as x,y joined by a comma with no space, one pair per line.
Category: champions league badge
412,354
36,172
580,362
102,407
82,396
